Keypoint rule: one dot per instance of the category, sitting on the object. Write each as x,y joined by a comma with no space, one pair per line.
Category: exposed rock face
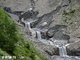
46,6
60,36
58,32
55,29
16,5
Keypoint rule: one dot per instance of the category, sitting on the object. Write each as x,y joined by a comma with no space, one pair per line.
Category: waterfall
38,34
27,25
22,20
62,47
62,51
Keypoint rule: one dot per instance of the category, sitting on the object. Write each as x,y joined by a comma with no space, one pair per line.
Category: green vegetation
8,32
3,53
12,43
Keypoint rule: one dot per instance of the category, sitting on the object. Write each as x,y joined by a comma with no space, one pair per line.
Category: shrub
8,32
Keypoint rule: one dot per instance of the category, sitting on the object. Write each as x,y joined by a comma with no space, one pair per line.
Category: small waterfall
27,25
38,34
22,20
62,47
62,51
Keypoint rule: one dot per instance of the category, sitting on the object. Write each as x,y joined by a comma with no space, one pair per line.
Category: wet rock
28,14
8,9
43,34
74,49
33,23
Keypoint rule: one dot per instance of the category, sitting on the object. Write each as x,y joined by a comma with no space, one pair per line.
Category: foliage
8,32
3,53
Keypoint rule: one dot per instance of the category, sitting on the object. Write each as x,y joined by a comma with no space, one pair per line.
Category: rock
8,9
46,6
16,5
44,23
29,14
31,32
46,50
43,33
51,33
33,23
60,36
49,52
74,49
14,17
54,29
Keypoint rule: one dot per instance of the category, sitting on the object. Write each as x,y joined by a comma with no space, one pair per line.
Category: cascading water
62,51
61,46
27,25
22,20
38,34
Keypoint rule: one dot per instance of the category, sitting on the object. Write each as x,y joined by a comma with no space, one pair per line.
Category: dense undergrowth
12,43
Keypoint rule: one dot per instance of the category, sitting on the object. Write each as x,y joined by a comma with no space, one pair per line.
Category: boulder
60,36
74,49
43,33
54,29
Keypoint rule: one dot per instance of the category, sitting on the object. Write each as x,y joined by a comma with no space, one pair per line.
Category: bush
8,32
3,53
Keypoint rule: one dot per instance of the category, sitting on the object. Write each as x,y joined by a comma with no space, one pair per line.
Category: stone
60,36
74,49
43,34
54,29
28,14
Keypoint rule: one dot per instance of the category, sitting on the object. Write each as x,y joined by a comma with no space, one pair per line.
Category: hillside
50,27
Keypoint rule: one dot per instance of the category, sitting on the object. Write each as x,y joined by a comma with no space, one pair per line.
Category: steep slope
13,42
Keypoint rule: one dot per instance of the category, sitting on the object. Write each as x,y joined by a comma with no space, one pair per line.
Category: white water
38,34
22,20
61,44
62,51
27,25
